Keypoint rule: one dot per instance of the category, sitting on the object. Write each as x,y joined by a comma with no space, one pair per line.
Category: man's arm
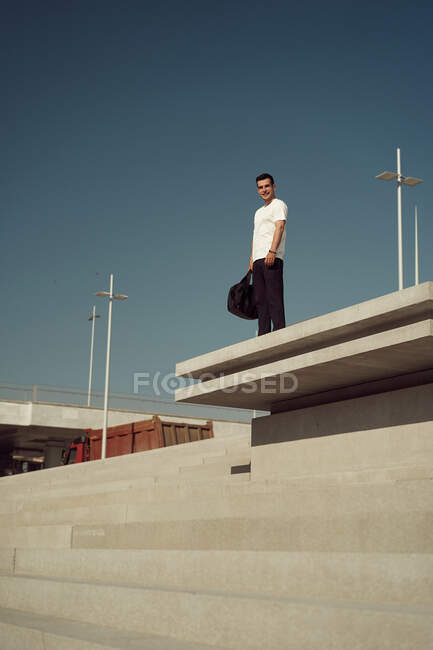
279,229
250,268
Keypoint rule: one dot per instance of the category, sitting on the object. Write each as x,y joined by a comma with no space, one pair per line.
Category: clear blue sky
131,135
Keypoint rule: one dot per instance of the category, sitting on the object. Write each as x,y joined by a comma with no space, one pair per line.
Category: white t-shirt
264,229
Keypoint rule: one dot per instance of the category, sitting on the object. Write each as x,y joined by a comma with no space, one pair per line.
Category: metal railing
141,403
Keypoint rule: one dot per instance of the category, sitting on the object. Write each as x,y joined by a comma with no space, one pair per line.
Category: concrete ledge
76,418
399,351
369,317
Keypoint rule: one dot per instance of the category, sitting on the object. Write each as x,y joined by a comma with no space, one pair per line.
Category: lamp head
409,180
387,176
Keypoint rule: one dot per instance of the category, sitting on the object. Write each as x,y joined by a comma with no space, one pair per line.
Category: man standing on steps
266,259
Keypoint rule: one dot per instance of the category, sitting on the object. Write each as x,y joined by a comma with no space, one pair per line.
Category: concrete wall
377,431
83,417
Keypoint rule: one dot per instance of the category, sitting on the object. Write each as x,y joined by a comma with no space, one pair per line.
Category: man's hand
250,268
270,259
279,229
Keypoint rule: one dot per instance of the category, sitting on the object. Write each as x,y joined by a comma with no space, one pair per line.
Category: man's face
266,189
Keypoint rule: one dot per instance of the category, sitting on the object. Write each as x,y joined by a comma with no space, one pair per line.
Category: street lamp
110,295
416,247
92,340
401,180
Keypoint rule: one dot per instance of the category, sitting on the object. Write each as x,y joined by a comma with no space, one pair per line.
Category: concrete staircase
169,550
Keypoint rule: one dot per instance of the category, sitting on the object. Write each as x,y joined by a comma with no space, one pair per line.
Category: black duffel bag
240,301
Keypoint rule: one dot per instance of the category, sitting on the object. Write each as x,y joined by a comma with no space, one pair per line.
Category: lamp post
255,410
416,247
92,341
401,180
111,296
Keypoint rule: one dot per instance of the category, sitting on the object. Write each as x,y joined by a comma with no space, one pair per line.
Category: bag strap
247,278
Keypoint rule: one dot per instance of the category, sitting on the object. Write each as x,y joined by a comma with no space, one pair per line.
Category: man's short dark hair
263,177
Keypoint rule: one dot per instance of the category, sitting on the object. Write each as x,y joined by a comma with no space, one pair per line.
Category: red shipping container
141,436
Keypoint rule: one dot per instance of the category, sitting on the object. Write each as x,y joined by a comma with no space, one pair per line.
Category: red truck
133,437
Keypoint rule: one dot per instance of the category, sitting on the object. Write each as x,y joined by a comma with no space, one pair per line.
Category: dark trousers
268,294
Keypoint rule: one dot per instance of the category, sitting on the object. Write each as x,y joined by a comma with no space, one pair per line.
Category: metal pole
400,237
107,372
91,355
416,247
255,410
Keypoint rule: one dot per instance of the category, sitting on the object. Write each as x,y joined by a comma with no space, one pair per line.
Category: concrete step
372,448
124,491
381,532
88,487
283,501
7,560
365,577
214,468
398,473
154,491
139,509
22,631
116,513
201,479
198,462
148,490
84,487
161,455
229,620
148,462
135,475
36,498
7,506
36,537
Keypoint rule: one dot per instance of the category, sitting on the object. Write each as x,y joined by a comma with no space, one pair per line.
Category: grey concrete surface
56,536
407,407
378,431
231,621
372,316
25,631
279,501
110,496
7,560
399,351
370,532
83,417
368,577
